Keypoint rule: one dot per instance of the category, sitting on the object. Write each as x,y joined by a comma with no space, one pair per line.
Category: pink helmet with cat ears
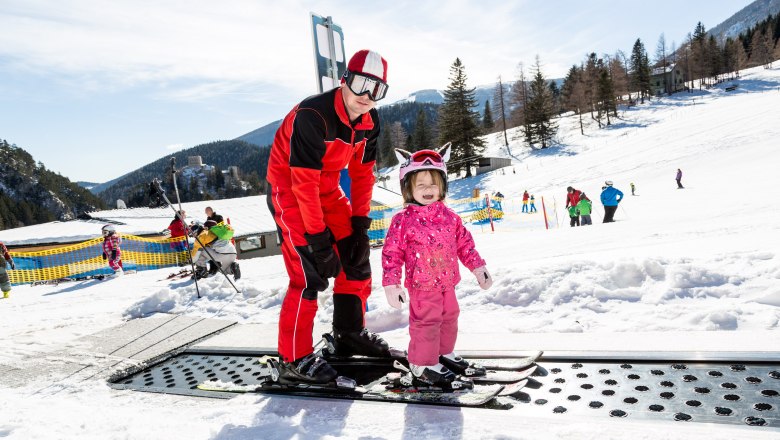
423,160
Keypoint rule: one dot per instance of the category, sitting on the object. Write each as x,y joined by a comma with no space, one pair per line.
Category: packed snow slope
700,258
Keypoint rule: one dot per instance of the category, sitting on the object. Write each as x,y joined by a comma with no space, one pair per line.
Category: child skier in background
429,238
533,206
111,251
525,201
5,282
574,217
584,208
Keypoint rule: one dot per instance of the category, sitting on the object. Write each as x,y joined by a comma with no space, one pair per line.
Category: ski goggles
375,88
426,156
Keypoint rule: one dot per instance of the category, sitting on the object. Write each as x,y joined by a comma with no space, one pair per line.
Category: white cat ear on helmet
444,151
402,155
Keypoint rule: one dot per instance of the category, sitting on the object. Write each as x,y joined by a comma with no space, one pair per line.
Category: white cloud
260,50
249,48
174,147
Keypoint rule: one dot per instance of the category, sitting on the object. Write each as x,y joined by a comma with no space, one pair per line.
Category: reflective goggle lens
376,89
422,156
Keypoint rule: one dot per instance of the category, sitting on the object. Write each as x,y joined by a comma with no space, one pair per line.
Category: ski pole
181,219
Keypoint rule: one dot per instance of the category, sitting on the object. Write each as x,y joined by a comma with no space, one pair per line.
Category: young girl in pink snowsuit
429,238
111,251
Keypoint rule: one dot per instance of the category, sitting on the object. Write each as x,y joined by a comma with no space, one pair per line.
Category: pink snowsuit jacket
429,240
111,243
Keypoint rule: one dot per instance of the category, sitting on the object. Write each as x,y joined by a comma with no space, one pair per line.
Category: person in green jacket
574,216
584,208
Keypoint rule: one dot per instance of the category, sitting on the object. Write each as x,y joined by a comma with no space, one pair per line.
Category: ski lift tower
329,60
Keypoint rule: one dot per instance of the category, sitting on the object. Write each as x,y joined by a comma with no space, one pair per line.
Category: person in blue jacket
610,197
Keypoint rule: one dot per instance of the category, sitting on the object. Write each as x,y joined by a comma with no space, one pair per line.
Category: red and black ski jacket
315,142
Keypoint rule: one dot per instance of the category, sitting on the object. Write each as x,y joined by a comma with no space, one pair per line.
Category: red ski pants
296,320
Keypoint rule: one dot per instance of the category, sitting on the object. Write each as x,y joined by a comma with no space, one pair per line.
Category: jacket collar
365,122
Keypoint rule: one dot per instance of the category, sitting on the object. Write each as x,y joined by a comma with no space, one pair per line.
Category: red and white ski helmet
108,230
368,62
423,160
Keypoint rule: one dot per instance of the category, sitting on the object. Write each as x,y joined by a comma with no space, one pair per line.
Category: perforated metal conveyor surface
746,393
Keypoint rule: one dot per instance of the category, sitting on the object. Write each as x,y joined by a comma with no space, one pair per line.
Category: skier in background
5,282
111,251
325,235
217,239
574,217
633,188
572,196
177,229
533,206
679,179
430,250
584,208
610,197
525,201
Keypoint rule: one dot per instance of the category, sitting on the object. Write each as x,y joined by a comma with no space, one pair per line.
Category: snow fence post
546,225
490,212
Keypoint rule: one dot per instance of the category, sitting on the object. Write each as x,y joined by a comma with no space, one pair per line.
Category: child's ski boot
435,376
462,366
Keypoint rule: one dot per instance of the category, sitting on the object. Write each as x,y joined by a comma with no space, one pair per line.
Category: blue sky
96,89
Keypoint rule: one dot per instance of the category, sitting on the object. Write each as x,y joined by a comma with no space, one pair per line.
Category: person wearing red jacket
572,196
179,229
323,234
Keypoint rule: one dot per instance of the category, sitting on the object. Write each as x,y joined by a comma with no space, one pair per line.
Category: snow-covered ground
703,258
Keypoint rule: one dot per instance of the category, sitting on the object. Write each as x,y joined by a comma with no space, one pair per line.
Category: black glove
13,265
105,256
361,248
113,255
326,260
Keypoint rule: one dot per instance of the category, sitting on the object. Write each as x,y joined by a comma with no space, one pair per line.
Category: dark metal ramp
710,392
728,392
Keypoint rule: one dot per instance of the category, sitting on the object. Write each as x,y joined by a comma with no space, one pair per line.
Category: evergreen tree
606,93
421,138
555,92
573,93
458,123
540,110
487,118
385,153
640,70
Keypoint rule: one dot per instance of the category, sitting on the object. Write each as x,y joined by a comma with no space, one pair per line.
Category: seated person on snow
221,249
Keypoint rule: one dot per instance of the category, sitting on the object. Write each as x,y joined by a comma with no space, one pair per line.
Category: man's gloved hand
13,265
113,255
328,265
483,277
105,256
396,296
361,248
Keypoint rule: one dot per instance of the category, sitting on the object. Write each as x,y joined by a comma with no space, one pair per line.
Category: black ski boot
236,270
349,336
200,272
361,343
213,267
461,366
437,376
308,369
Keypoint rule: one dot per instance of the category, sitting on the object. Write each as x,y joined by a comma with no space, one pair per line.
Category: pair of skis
57,281
503,377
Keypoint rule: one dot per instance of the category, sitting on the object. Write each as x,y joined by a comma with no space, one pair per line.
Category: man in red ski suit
323,235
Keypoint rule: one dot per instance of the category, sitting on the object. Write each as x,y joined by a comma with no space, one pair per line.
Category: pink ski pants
433,324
